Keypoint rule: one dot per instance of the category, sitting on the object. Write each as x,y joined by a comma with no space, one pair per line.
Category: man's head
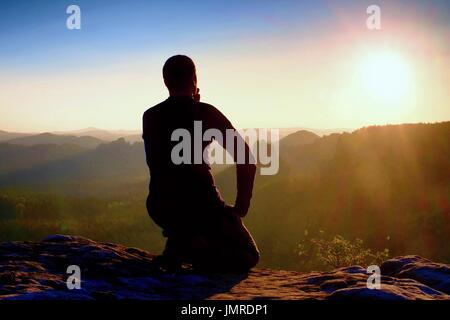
180,76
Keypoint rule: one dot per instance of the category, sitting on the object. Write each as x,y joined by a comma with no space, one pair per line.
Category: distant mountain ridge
299,138
17,157
118,160
50,138
111,135
382,184
5,135
105,135
302,151
363,184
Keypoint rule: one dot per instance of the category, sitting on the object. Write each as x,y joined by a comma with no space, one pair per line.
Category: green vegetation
32,216
370,184
339,252
376,188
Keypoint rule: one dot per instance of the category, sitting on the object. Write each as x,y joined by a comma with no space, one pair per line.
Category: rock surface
37,270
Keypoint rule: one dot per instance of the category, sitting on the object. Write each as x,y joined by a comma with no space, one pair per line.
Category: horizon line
280,128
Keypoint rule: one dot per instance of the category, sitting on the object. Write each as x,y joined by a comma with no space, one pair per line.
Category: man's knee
252,259
243,260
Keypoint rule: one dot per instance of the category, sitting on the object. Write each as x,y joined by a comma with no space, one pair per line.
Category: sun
386,76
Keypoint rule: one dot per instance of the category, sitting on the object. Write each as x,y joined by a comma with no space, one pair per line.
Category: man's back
189,187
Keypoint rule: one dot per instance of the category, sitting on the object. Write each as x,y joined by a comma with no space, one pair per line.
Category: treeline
388,186
32,216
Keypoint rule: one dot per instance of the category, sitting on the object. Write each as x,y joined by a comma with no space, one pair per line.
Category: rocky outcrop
38,270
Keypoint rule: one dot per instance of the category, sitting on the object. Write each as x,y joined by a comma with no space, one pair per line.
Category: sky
263,63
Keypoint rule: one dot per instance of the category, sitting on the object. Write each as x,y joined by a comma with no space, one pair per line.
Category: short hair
178,72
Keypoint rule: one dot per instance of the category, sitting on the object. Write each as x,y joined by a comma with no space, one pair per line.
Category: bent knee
247,260
254,258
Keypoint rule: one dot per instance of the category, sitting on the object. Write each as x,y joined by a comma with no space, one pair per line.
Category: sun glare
386,75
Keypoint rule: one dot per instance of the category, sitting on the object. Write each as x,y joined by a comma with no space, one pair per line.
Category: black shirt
179,192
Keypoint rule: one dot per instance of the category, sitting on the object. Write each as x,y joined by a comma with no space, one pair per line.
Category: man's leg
183,246
231,248
219,243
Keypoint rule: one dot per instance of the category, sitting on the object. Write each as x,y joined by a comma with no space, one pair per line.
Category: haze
264,64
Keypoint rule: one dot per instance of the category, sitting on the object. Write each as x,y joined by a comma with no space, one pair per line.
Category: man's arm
245,177
245,172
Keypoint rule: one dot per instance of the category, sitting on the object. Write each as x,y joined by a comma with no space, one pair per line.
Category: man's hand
236,211
240,211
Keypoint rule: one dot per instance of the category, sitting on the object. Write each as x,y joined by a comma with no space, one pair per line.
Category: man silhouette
183,198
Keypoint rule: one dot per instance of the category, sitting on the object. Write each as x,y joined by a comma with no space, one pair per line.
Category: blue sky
253,56
33,33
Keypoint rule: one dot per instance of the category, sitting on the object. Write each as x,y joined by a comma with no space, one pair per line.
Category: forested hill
386,185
